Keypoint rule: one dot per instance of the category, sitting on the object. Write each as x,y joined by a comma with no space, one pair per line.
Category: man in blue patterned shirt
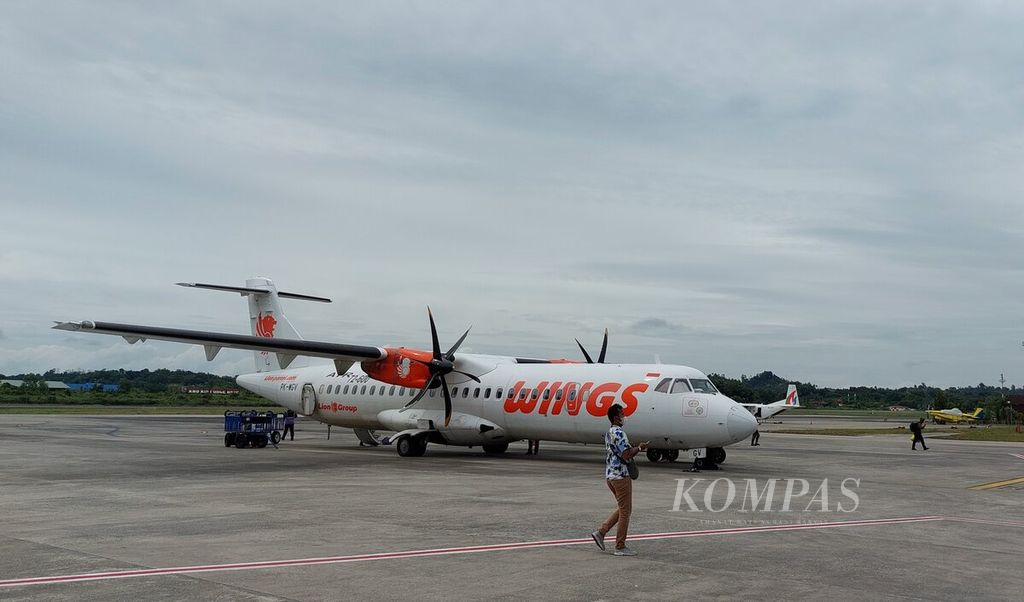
616,475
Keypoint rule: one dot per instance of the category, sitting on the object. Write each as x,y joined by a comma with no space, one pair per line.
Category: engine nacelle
398,367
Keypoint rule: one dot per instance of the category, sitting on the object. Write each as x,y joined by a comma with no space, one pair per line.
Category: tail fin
792,399
266,318
979,413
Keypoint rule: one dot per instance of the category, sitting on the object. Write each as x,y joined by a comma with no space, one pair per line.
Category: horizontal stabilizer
246,291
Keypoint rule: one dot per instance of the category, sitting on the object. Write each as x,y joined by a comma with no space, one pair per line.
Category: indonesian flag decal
652,375
265,325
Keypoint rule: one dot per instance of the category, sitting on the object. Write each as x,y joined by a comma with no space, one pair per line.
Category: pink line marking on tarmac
1021,456
242,566
986,521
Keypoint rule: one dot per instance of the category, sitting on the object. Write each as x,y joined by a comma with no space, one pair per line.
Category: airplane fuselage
556,401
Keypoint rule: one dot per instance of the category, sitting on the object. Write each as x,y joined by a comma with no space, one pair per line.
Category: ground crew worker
289,425
532,447
918,429
755,437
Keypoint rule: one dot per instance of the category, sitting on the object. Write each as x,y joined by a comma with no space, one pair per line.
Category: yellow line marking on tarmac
997,484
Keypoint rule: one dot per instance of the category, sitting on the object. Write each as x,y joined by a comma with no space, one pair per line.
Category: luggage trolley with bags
249,427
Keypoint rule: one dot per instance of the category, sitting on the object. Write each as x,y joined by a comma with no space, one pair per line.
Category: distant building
53,385
899,409
204,390
94,387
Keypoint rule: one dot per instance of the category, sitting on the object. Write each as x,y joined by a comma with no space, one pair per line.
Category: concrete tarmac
124,494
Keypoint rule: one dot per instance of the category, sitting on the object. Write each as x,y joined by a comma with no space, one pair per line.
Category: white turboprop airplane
764,411
464,399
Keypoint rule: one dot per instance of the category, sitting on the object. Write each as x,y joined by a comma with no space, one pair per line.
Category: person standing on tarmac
289,425
616,475
755,437
532,447
918,429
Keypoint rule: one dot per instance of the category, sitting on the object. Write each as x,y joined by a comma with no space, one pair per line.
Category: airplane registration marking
241,566
997,484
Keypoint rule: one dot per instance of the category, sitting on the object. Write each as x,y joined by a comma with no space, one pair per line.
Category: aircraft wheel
495,448
654,455
716,455
671,454
261,442
241,441
408,447
419,445
275,437
229,439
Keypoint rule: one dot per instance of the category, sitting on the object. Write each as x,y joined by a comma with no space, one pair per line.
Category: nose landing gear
662,455
716,455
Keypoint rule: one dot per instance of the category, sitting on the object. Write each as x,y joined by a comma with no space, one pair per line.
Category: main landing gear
411,447
495,449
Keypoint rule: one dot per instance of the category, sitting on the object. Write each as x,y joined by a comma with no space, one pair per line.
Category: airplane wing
344,355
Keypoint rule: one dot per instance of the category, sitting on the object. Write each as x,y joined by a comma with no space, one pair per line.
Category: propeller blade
447,402
451,352
433,335
604,347
466,374
422,392
585,354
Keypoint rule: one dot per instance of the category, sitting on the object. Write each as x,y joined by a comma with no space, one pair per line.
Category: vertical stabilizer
266,318
792,399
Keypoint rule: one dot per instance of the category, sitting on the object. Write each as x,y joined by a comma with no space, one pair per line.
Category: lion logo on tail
265,325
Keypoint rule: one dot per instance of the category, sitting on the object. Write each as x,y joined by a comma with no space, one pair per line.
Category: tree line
164,386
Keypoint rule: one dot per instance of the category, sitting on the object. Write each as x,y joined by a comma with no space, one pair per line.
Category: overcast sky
831,191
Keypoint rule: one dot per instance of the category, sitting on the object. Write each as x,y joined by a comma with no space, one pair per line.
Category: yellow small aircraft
956,416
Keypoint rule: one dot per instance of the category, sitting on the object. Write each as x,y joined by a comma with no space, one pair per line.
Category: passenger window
522,394
362,391
321,388
392,390
572,392
487,393
497,394
401,391
665,386
346,389
476,392
547,394
534,393
681,386
373,389
558,395
465,392
432,392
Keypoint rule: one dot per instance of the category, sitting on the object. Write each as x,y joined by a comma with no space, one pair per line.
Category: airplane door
308,399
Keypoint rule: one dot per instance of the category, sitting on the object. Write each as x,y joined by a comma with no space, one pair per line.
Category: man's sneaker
623,552
598,539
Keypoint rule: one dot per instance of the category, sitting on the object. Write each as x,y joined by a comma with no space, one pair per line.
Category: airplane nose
740,423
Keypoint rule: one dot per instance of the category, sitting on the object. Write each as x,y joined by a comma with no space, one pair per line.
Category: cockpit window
664,386
681,386
703,385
